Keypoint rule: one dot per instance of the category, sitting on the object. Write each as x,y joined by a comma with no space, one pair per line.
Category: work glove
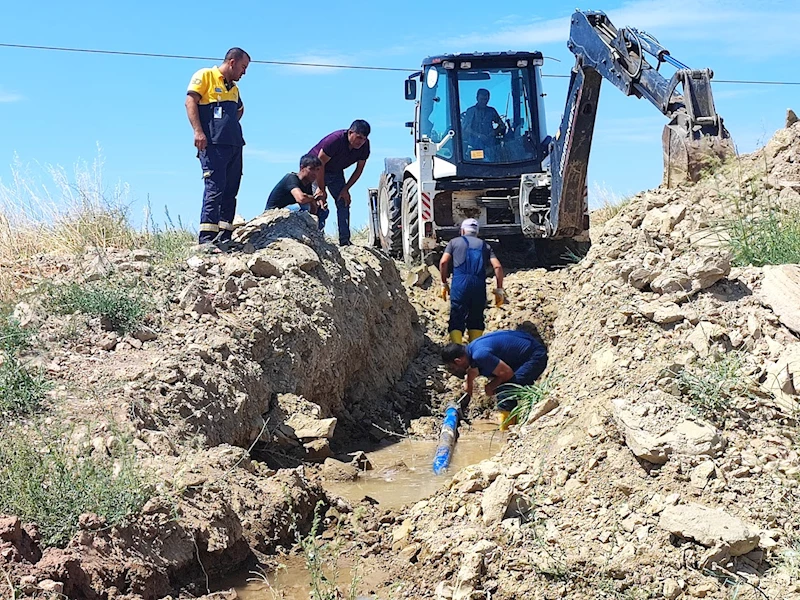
499,297
445,290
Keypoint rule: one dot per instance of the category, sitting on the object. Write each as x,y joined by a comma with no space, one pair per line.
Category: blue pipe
447,440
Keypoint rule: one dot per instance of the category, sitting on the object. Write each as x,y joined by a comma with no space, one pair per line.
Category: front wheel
410,217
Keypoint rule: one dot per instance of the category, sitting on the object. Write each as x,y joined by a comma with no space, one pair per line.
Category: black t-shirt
281,194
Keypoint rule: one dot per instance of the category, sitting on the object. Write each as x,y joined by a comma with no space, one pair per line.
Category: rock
604,360
409,553
261,266
234,267
780,290
702,474
197,263
670,283
710,528
655,442
708,270
335,470
144,334
51,587
671,589
542,408
495,500
290,254
702,335
418,276
108,342
305,427
318,450
791,118
669,312
193,299
783,378
403,531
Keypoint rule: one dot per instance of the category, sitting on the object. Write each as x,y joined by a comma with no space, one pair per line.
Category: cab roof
483,58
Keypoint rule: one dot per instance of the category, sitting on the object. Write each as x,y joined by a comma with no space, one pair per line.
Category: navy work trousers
467,302
335,183
526,374
222,174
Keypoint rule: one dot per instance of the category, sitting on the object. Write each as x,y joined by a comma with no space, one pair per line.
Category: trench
400,473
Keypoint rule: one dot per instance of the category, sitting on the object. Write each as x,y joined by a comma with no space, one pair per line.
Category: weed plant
13,337
713,386
761,231
46,484
529,396
171,242
321,562
22,390
123,309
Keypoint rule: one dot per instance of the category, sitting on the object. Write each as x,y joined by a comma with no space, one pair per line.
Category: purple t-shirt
342,156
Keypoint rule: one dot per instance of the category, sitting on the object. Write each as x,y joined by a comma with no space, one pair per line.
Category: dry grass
45,209
607,204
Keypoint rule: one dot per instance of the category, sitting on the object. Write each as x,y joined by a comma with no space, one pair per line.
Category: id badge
217,112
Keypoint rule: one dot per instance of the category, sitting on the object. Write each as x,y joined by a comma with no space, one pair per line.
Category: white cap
470,226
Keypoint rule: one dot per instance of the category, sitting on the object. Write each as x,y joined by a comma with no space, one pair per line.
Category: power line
288,63
189,57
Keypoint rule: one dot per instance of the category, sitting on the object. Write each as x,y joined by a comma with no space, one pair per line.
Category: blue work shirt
515,348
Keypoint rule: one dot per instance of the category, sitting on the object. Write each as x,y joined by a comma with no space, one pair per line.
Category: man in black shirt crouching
295,188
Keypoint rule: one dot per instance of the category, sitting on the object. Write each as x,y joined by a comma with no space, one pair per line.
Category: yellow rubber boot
457,337
503,419
474,334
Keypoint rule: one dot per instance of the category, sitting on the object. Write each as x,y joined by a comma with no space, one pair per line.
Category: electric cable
288,63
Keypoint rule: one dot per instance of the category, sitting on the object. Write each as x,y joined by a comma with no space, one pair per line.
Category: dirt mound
666,361
288,342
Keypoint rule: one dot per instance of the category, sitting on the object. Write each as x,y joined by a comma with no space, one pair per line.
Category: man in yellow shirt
215,108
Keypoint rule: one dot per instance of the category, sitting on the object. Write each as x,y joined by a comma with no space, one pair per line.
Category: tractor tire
390,215
410,216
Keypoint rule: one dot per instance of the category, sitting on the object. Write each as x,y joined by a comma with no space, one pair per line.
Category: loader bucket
688,153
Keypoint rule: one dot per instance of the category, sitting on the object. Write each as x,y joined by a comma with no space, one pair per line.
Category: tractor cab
484,112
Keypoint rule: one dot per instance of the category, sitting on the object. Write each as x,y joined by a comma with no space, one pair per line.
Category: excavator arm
693,138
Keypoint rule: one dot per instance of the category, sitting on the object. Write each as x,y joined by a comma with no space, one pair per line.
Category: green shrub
21,390
46,484
528,396
122,308
712,386
13,337
761,231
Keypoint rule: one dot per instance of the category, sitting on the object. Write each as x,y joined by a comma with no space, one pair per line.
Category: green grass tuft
21,390
123,309
46,484
13,337
712,386
528,396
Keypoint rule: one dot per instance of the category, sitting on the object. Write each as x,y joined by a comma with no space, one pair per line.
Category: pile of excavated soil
626,488
287,342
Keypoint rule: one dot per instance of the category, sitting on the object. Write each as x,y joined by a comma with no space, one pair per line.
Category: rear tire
390,215
410,229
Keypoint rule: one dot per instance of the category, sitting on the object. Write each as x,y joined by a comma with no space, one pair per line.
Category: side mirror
409,124
411,89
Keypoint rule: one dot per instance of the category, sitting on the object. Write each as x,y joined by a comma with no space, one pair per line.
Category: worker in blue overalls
470,255
214,108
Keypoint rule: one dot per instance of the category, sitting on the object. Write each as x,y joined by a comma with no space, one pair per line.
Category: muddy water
401,475
402,472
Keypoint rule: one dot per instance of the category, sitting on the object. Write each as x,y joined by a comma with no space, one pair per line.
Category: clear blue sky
57,107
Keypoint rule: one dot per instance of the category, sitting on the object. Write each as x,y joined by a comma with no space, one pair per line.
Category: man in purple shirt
337,151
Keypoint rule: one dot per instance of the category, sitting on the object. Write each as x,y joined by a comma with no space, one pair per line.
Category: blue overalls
468,291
